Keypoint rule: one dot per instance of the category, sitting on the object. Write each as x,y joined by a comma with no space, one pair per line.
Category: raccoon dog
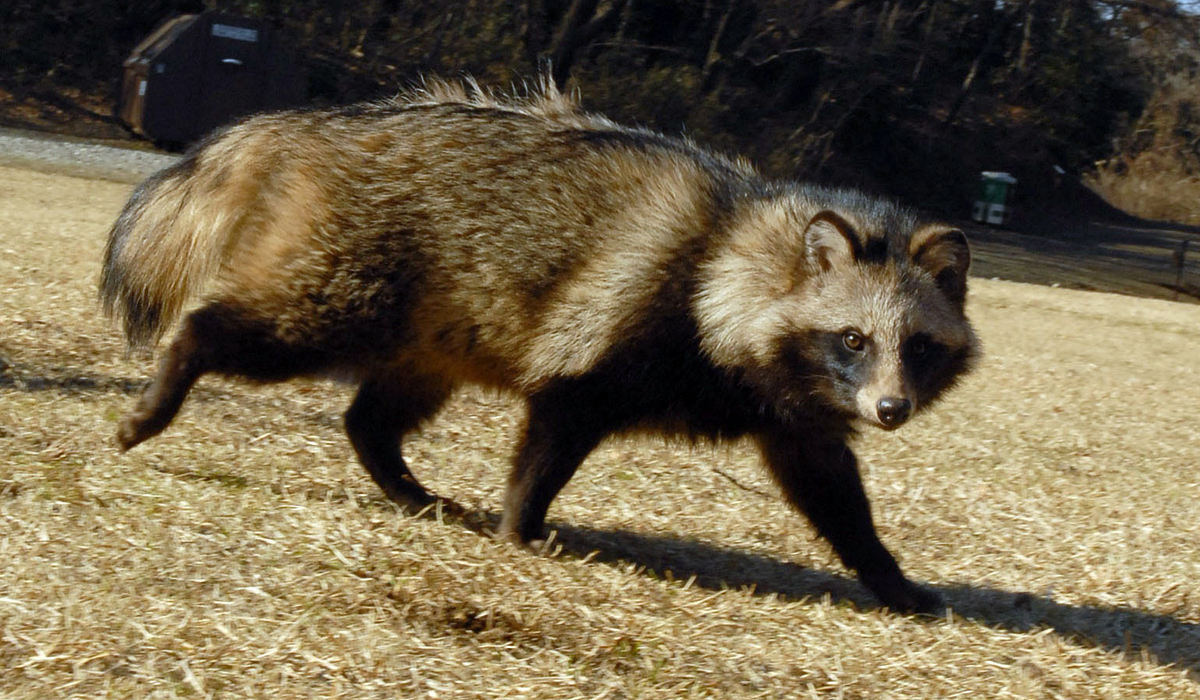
617,279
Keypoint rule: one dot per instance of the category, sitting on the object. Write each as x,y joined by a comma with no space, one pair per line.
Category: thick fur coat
617,279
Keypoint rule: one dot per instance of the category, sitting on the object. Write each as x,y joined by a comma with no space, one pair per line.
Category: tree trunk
566,39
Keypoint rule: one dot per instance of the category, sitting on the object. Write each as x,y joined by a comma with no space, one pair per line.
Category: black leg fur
218,338
558,437
179,369
384,411
822,481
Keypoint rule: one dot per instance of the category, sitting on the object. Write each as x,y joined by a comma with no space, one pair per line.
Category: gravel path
63,155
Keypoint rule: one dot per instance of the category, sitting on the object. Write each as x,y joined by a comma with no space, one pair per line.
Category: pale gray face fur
894,348
863,314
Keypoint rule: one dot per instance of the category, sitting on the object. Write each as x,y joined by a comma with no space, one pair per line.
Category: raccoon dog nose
893,412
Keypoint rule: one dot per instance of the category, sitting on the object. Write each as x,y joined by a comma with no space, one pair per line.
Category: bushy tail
172,236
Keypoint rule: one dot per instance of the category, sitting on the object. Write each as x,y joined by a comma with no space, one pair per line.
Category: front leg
563,426
820,477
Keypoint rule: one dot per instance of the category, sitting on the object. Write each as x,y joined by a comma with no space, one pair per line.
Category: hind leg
383,412
220,338
183,364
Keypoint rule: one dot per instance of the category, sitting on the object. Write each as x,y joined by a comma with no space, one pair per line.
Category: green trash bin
995,191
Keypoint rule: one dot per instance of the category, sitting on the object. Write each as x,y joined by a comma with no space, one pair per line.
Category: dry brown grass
1154,171
1152,185
243,553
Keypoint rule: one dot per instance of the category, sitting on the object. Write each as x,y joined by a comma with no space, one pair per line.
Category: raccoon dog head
834,305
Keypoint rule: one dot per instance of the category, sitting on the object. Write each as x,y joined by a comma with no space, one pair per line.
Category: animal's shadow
66,381
713,567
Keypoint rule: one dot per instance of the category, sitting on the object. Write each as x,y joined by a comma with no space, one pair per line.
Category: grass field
1053,500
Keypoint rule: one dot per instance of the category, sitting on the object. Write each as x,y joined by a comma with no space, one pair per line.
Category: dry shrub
1155,173
1152,185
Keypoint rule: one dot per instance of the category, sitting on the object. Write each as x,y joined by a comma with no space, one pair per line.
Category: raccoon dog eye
853,340
918,347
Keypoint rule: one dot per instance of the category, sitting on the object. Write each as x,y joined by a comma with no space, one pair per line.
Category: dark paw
406,492
528,536
129,433
902,595
921,601
542,546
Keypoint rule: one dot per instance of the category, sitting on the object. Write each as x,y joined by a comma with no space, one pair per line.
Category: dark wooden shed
197,72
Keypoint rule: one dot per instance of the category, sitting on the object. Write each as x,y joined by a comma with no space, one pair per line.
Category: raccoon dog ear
829,242
943,252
